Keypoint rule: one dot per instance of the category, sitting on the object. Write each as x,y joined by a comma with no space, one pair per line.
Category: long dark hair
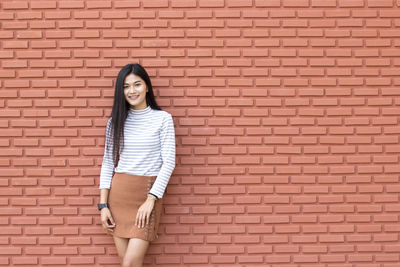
121,106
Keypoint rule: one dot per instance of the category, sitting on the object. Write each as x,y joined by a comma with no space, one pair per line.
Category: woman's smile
133,97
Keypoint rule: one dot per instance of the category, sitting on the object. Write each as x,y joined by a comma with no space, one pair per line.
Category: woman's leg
135,252
121,244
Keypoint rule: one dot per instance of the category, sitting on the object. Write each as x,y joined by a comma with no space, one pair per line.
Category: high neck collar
140,111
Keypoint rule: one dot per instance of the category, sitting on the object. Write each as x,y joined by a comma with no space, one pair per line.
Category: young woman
139,157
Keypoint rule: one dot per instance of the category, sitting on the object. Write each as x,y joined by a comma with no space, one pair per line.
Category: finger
111,220
109,226
141,221
144,219
105,226
112,223
137,220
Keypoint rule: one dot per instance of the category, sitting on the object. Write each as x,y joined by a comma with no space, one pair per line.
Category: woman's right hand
107,220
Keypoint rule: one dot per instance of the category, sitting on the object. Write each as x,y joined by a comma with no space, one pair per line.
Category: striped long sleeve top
149,148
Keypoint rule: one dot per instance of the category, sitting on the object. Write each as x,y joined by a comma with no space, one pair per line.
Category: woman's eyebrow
134,82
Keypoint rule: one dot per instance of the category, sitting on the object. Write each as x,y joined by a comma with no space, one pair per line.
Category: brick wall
286,116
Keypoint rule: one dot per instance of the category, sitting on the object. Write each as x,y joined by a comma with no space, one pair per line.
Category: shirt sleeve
107,167
167,141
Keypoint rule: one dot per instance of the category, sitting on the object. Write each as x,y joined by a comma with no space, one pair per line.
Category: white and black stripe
149,148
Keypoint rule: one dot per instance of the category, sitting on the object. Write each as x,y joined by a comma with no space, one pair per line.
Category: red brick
268,121
26,260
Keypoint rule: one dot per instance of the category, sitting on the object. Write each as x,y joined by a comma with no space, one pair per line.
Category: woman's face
135,91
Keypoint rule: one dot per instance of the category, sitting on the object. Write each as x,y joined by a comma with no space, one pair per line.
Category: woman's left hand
143,214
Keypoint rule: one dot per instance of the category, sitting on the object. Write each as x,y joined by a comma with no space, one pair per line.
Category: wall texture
286,116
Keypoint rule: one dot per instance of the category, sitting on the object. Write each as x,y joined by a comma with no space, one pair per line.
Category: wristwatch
102,205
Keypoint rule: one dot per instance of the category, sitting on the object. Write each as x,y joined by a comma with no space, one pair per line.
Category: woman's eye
137,85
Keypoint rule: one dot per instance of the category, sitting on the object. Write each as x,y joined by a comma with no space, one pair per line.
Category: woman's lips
133,97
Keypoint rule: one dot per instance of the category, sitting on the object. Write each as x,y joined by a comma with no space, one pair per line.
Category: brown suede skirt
127,193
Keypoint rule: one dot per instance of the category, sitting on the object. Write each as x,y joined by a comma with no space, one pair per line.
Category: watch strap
102,205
